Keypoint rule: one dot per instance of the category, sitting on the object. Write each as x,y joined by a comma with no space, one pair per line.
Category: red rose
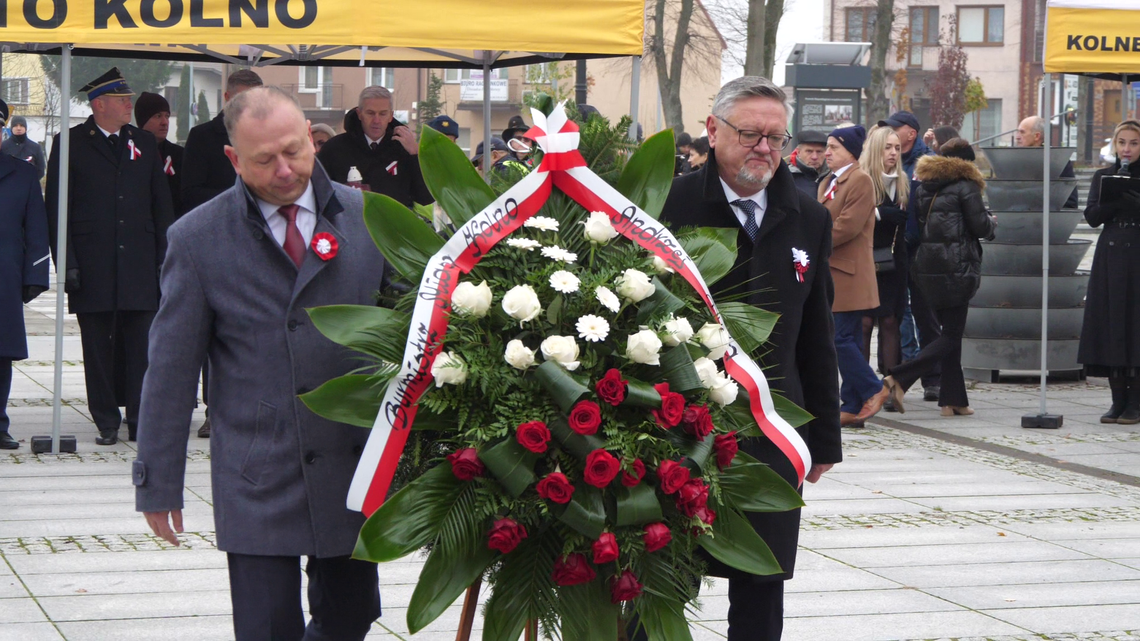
572,570
601,468
706,515
673,475
628,479
657,536
605,548
692,496
585,417
726,448
612,388
624,588
672,407
697,421
533,436
465,464
505,535
555,487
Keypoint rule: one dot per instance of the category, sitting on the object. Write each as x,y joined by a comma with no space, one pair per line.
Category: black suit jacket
173,152
207,171
119,209
800,360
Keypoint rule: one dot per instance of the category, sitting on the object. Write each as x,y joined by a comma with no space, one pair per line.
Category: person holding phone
1110,337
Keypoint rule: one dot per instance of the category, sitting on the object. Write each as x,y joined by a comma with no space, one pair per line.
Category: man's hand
405,137
813,476
928,138
160,522
71,280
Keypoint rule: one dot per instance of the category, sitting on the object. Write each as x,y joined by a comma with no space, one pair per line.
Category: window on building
171,93
382,77
464,140
453,76
923,32
860,24
984,122
14,91
981,25
313,78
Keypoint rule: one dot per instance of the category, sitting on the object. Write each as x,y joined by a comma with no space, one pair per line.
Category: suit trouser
98,331
945,353
344,598
755,610
5,390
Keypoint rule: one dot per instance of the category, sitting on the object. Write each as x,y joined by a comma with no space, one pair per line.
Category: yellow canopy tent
1089,37
381,33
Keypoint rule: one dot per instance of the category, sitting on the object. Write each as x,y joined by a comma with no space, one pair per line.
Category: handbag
884,259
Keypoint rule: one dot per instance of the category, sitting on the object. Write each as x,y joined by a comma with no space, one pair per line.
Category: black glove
31,292
1130,200
71,283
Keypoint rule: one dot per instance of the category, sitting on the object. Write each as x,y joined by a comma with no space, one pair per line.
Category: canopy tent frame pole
1124,110
487,116
61,241
634,95
1043,419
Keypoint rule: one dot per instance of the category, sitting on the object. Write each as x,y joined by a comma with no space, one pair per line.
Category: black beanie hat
147,105
851,138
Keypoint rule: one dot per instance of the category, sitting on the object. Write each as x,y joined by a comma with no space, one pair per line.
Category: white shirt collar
105,132
839,172
760,198
371,141
307,202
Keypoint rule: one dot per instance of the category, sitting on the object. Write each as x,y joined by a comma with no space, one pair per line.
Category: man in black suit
152,113
744,185
118,212
207,172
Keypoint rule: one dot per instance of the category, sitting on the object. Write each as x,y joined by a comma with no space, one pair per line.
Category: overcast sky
803,22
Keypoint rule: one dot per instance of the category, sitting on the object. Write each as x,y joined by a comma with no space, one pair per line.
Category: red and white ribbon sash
135,151
168,166
562,166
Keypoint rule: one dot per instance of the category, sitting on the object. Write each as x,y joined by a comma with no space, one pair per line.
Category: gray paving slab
1084,618
875,504
1042,595
103,607
856,602
205,628
29,632
1022,502
183,581
105,562
823,540
21,610
890,627
956,554
1029,572
972,489
1107,548
11,587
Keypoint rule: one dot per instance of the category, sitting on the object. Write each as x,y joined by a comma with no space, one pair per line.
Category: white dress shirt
306,217
105,132
836,174
760,198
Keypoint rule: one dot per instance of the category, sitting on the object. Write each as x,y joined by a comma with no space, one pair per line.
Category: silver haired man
381,148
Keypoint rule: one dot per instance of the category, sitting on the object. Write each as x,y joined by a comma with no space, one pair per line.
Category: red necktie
294,245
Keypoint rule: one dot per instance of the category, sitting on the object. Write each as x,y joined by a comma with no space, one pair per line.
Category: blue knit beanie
851,138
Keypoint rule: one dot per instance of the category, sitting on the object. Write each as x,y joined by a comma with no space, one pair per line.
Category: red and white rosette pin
324,245
135,151
168,166
800,261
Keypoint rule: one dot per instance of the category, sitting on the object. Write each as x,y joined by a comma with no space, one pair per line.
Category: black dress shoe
204,431
132,432
107,437
930,394
7,442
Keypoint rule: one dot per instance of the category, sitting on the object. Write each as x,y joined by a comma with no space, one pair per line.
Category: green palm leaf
748,324
406,241
353,399
527,571
451,178
737,545
376,331
713,249
412,517
446,574
752,486
585,612
648,174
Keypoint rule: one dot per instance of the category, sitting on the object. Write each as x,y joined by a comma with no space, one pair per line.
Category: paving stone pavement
969,528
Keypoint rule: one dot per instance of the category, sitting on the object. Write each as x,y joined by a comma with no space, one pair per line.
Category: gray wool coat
280,473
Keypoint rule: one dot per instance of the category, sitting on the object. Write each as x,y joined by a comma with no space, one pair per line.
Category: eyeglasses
776,142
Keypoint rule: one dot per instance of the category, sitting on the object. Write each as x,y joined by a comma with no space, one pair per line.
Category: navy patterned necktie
749,209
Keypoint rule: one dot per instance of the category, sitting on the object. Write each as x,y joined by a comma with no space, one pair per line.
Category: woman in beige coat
850,198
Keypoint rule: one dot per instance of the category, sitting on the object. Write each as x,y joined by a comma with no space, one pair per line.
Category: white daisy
554,252
542,223
523,243
564,282
592,328
608,299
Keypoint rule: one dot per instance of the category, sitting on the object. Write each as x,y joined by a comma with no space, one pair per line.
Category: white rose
715,338
448,370
634,285
471,300
644,347
562,350
598,228
518,356
723,390
660,266
521,303
677,331
706,370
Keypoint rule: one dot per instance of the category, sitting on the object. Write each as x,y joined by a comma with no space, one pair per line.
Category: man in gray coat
239,274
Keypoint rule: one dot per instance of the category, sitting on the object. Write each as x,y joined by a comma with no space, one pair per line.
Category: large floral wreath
577,441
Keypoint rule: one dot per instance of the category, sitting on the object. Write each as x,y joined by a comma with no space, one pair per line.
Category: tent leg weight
1043,421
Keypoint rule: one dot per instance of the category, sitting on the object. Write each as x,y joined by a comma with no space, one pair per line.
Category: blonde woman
1110,336
880,161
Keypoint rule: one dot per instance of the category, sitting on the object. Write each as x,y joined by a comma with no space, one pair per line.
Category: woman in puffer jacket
947,267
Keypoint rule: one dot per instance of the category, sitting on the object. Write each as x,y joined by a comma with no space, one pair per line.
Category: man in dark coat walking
241,271
23,266
118,212
382,149
22,147
152,113
206,173
746,187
